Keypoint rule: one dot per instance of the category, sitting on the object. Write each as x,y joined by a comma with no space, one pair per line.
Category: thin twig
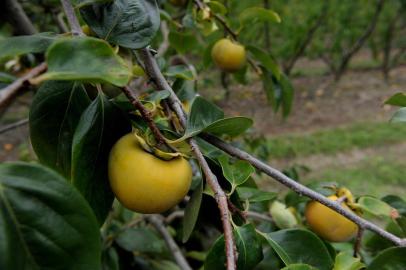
302,190
72,19
153,71
13,125
157,222
12,11
146,114
357,243
8,93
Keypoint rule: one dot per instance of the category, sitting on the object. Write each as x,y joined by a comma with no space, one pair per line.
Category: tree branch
300,189
157,222
13,125
309,36
360,42
8,93
72,19
357,243
15,14
154,73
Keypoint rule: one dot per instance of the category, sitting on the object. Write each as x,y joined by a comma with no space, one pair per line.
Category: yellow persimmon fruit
329,224
143,182
228,55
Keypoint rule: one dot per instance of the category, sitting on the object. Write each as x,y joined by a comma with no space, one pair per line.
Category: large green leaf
314,252
255,195
389,259
128,23
346,261
249,250
182,42
192,212
44,222
100,126
140,240
266,60
375,206
299,266
54,115
258,14
86,59
398,99
236,173
14,46
231,126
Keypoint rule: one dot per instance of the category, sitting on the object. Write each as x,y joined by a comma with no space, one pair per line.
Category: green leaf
140,240
346,261
255,195
217,7
375,206
283,255
396,202
192,212
399,116
266,60
202,115
157,96
281,215
299,266
182,42
258,14
249,250
181,72
128,23
236,173
163,265
399,99
110,260
85,59
231,126
14,46
44,222
100,126
314,252
390,259
54,115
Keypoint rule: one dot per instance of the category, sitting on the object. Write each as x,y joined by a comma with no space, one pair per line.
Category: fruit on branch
329,224
178,3
144,182
228,55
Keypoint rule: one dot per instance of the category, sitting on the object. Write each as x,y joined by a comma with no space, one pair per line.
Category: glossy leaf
100,126
283,255
54,115
44,222
346,261
266,60
110,260
140,240
390,259
192,212
202,115
85,59
399,116
396,202
249,250
258,14
14,46
375,206
128,23
314,252
398,99
236,173
255,195
231,126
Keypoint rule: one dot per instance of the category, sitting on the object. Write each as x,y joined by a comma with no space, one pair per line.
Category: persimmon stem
357,243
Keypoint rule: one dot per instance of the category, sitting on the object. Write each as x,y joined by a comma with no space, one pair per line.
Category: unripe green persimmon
329,224
228,55
143,182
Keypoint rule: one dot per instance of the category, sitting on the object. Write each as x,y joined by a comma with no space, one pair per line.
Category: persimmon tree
130,78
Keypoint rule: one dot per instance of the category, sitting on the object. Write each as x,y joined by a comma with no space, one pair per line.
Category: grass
336,140
375,176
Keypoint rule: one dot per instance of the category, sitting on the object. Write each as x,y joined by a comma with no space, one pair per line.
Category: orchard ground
339,133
